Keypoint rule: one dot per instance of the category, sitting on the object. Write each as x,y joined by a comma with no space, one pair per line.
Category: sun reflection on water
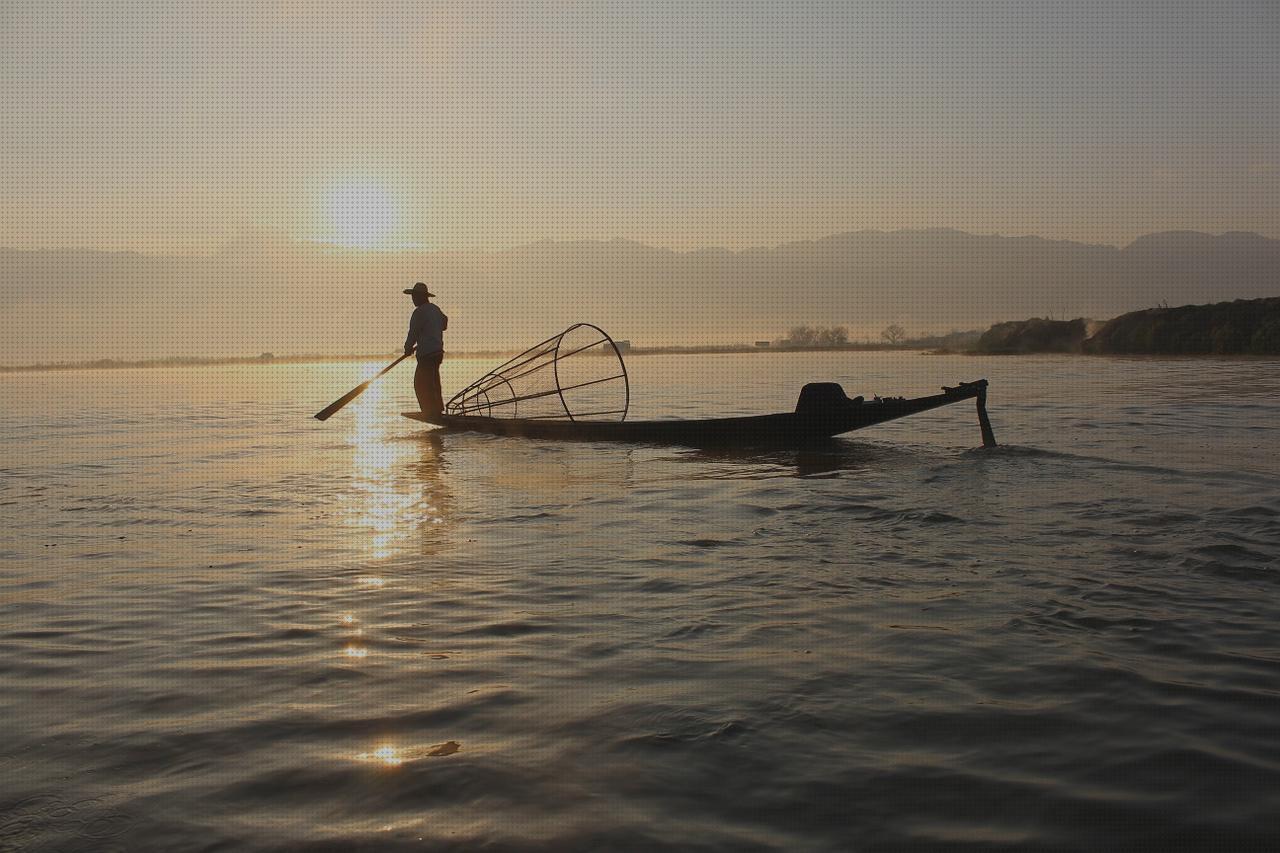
383,505
386,755
396,501
393,756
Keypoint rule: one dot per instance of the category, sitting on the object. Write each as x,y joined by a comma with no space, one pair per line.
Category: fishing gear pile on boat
578,375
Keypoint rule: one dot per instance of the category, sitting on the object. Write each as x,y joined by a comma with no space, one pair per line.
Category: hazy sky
171,127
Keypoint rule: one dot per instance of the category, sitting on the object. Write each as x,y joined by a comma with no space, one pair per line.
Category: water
228,626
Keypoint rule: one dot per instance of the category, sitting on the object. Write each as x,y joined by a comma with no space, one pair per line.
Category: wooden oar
336,405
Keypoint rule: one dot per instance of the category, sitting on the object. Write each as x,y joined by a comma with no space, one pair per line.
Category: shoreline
213,361
136,364
141,364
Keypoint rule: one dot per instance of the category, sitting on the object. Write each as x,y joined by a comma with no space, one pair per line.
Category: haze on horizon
408,129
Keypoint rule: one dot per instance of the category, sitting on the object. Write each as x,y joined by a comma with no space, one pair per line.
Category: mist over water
228,626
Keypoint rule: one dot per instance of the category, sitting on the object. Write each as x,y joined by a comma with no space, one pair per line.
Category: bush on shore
1034,335
1243,327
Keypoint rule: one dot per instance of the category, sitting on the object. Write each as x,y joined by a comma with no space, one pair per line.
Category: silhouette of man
426,334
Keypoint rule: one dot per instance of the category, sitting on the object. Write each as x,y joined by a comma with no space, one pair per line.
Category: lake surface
227,626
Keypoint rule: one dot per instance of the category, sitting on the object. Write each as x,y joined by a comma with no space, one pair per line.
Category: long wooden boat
823,411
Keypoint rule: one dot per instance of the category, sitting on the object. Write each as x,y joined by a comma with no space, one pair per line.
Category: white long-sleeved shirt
426,329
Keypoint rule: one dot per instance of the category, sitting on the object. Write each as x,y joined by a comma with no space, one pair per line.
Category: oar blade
325,413
337,405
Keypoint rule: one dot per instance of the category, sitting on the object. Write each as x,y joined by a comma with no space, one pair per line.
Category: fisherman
426,334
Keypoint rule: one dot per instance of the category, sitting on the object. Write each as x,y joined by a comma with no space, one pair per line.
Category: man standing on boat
426,334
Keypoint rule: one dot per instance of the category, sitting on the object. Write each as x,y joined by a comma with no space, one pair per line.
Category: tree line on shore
816,337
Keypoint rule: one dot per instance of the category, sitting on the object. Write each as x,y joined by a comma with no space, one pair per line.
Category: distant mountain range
271,295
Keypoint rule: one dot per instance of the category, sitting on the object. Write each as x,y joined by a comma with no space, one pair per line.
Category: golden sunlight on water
592,632
354,647
377,508
386,755
390,755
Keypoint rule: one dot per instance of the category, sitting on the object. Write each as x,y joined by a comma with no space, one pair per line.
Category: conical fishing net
575,375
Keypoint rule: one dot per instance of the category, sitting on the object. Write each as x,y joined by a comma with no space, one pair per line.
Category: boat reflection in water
828,457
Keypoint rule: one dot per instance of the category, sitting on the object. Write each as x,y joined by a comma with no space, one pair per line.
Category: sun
362,215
